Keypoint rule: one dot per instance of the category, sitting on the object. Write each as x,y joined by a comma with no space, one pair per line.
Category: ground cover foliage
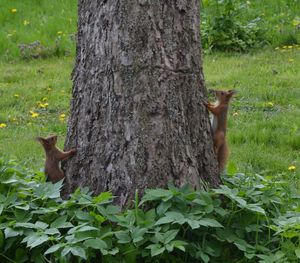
235,25
248,219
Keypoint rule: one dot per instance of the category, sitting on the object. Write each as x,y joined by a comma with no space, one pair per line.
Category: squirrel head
224,96
48,143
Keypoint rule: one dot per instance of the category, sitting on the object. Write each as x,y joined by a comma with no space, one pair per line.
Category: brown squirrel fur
53,157
219,125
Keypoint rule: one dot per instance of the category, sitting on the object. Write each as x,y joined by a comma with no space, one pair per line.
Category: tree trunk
137,117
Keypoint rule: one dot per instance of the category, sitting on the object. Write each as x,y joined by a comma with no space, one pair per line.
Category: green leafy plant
248,219
223,29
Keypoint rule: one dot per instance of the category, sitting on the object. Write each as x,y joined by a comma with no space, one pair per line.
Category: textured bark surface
137,117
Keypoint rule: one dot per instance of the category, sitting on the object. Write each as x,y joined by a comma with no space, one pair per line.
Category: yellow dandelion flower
290,47
16,95
2,125
34,114
43,105
296,22
13,10
270,104
60,33
292,168
26,22
62,115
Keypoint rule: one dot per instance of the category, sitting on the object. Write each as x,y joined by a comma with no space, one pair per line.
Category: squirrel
53,157
219,124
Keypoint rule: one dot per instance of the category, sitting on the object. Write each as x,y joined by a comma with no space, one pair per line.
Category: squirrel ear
231,92
40,139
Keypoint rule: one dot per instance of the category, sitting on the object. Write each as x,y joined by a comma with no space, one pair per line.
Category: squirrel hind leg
223,155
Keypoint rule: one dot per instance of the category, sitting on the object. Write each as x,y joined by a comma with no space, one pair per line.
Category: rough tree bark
137,117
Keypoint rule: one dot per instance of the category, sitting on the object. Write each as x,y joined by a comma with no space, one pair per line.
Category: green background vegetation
263,133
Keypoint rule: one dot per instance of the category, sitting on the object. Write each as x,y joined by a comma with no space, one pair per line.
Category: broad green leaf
104,197
163,208
137,234
66,251
203,256
23,207
112,209
170,235
157,194
231,193
194,224
22,216
87,228
98,217
175,215
179,244
9,232
255,208
1,208
95,243
52,231
297,252
37,241
209,222
156,249
169,247
78,251
10,181
53,249
123,237
41,225
48,190
26,225
164,220
83,216
74,229
61,222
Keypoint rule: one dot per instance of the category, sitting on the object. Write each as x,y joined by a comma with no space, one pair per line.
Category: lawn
263,123
264,131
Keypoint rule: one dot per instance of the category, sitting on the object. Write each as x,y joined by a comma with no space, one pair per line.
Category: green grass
280,19
262,137
50,22
22,86
264,132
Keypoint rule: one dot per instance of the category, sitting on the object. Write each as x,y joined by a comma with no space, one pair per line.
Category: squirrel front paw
206,103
